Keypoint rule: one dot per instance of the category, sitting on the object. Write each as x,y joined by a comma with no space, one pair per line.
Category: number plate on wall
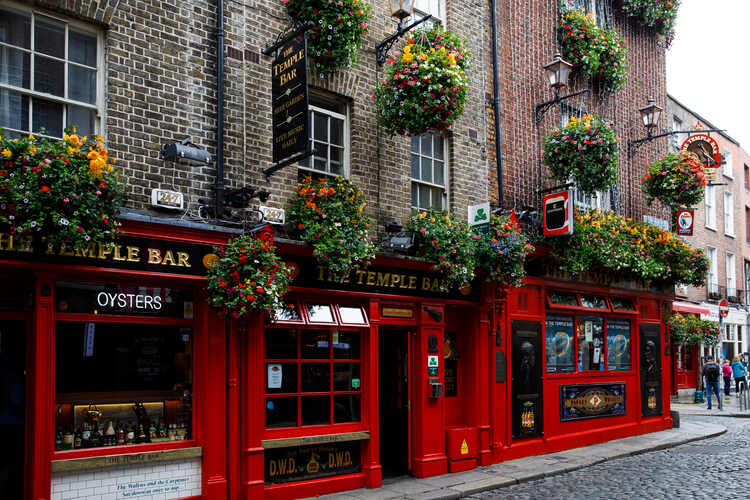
164,198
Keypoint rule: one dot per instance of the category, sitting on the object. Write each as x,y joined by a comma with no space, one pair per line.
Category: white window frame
675,139
710,202
347,145
731,277
713,277
597,200
419,182
99,122
424,7
729,214
727,169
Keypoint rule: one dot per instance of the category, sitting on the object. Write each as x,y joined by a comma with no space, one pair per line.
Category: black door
650,370
394,402
12,407
526,376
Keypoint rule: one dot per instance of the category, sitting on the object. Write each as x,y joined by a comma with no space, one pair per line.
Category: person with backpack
712,372
726,371
738,370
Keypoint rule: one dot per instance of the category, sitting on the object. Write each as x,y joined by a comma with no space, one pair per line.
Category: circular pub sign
705,148
724,308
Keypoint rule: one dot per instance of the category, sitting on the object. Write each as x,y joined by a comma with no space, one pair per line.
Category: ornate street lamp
400,9
650,114
557,72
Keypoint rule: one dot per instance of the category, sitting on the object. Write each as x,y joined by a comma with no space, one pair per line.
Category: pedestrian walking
712,372
738,371
726,371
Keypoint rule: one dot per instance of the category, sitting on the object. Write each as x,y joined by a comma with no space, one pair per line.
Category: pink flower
66,200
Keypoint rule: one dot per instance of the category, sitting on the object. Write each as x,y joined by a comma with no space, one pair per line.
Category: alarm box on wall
558,213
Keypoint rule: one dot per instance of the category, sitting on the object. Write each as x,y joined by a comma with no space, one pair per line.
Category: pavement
523,470
731,408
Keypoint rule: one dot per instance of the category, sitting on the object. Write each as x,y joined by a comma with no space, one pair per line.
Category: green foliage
328,213
248,277
336,37
442,238
595,52
638,249
585,150
677,180
688,329
502,252
65,192
658,14
424,89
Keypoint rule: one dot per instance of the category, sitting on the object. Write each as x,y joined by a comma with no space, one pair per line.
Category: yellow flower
7,153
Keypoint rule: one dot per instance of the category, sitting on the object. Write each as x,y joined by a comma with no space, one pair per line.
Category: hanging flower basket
595,52
248,277
677,180
328,214
442,238
688,329
502,252
66,193
336,37
425,87
657,14
584,151
637,249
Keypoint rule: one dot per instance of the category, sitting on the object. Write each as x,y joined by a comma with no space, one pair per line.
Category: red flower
45,189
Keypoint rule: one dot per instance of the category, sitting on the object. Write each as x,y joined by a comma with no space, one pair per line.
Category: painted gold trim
147,457
305,440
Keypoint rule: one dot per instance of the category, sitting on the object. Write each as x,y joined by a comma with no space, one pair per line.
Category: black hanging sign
290,100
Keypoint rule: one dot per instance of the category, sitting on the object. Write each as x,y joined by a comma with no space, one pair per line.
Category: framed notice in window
560,344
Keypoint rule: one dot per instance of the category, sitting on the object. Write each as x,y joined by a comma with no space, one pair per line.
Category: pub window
560,344
424,7
622,304
593,302
50,74
618,344
590,343
428,172
587,343
329,135
313,377
123,365
563,299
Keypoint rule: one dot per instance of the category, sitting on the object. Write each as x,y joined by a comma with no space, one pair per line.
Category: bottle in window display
86,436
77,439
130,436
111,434
58,439
120,434
68,439
95,441
141,435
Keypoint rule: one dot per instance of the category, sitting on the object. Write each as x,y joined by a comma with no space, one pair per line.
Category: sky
708,68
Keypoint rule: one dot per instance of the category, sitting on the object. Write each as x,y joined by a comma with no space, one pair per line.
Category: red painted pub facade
130,372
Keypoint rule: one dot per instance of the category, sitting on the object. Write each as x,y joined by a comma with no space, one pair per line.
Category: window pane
427,145
281,377
563,299
82,48
414,195
14,110
81,84
346,408
439,147
618,344
315,345
320,127
47,117
414,167
288,313
559,344
426,170
320,313
623,304
321,161
346,377
337,131
49,37
84,119
593,302
351,314
15,67
337,160
424,197
49,76
316,410
415,144
281,412
437,199
281,344
316,377
15,28
439,173
346,345
590,344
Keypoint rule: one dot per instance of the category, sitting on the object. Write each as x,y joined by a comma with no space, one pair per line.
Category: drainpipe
219,187
496,106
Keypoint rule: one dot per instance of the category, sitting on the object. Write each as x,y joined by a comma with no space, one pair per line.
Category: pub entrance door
394,402
650,355
526,378
12,406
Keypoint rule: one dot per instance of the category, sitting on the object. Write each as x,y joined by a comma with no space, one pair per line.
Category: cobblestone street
712,468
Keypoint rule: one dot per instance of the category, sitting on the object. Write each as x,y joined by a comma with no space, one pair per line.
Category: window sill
113,456
590,374
711,228
729,235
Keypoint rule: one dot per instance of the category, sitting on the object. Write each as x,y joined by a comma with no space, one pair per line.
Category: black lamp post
557,72
400,9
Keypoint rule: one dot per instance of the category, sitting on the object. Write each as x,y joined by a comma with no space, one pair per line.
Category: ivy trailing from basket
636,249
425,86
595,52
585,151
688,329
336,36
502,251
66,193
440,237
248,277
677,180
657,14
328,213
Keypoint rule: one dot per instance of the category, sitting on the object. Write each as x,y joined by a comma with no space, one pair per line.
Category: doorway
394,402
12,407
526,373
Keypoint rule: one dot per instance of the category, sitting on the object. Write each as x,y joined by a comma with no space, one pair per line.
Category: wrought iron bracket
382,49
295,29
634,146
292,159
542,108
